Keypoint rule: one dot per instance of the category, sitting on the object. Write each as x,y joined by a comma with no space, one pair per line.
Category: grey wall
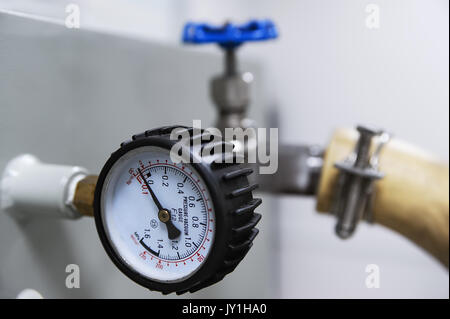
71,97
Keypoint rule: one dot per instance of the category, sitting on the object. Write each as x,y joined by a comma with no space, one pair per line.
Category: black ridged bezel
234,207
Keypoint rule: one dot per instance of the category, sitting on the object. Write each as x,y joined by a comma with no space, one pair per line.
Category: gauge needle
163,214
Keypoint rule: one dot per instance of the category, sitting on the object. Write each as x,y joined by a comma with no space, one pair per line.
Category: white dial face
161,250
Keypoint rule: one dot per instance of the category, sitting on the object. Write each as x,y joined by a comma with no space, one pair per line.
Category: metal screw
362,149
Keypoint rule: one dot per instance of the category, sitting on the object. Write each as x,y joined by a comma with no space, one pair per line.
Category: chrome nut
231,93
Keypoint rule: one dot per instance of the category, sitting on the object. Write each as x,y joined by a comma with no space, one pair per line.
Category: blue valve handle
229,36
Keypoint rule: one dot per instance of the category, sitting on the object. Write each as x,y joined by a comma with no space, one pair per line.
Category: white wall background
326,70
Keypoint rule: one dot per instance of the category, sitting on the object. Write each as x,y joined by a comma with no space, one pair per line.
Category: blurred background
70,96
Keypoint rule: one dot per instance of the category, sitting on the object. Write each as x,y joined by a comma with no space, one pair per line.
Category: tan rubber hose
411,199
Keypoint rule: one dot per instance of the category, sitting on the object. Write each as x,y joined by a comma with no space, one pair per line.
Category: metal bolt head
368,131
164,216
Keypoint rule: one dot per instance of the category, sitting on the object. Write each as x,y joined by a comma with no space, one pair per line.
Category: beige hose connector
412,198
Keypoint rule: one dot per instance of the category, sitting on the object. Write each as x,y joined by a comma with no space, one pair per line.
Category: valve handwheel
229,36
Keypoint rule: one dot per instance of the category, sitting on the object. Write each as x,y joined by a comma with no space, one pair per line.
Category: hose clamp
355,189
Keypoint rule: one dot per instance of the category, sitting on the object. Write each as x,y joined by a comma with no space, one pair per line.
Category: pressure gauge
174,225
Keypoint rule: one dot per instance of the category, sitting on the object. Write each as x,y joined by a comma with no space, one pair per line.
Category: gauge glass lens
136,230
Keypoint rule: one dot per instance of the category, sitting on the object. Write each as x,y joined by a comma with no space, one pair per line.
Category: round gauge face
158,215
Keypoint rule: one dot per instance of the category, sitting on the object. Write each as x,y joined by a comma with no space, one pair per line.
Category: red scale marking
206,199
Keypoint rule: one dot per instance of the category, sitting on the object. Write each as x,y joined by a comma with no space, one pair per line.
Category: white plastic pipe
29,187
29,293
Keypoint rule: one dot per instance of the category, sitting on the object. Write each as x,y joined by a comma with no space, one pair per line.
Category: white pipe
29,187
29,294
